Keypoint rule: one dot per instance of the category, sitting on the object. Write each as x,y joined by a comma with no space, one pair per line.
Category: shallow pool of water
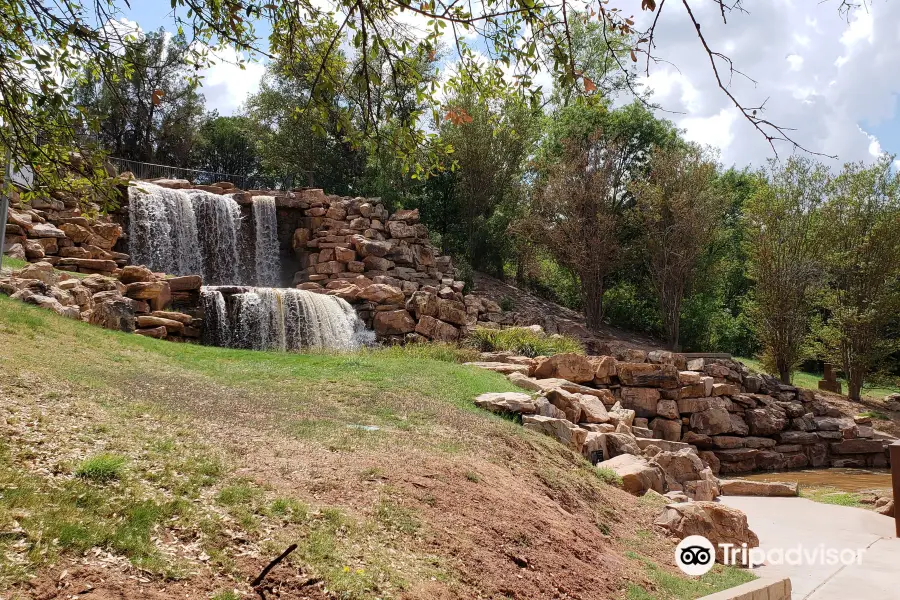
848,480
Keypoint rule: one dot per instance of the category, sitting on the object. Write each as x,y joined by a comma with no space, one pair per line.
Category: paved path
787,522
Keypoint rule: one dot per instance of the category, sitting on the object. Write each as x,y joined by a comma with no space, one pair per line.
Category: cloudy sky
833,79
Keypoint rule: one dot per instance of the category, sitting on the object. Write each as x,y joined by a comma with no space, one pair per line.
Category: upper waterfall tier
187,232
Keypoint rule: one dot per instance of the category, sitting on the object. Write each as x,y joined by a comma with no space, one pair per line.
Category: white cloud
226,85
822,75
712,131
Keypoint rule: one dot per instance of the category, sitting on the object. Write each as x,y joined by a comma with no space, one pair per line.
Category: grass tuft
828,495
667,585
524,341
875,414
101,468
608,476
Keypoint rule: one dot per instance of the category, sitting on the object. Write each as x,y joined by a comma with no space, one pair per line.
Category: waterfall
162,231
284,319
218,234
268,263
185,232
215,320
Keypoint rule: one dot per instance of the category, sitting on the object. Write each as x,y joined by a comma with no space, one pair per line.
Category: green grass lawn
811,381
376,463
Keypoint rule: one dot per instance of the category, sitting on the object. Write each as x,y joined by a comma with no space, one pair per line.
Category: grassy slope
10,263
811,381
192,467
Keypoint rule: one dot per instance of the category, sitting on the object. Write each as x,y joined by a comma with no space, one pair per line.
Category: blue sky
831,79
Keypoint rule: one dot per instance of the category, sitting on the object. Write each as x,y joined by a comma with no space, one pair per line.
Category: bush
524,341
101,468
465,272
507,304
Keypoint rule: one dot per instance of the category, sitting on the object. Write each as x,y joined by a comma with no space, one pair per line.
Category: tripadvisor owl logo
695,555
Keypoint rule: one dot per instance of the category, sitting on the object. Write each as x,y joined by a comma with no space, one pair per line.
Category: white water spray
163,230
268,263
283,319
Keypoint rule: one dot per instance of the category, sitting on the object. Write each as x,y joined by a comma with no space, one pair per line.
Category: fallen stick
256,582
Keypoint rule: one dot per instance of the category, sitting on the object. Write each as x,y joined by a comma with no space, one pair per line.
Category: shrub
507,304
524,341
101,468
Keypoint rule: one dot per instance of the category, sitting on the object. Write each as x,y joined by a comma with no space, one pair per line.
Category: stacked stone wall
383,264
56,231
737,421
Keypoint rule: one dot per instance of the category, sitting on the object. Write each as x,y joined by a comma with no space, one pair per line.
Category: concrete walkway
786,522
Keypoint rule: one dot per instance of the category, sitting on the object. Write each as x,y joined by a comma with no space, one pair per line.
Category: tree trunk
672,321
784,372
854,383
592,298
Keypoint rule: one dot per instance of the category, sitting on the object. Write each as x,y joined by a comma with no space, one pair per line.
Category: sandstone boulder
604,369
620,414
617,443
643,401
592,409
648,375
570,366
423,304
712,421
499,367
666,429
679,467
117,315
743,487
135,273
562,430
638,475
885,506
437,330
566,402
393,322
506,402
717,522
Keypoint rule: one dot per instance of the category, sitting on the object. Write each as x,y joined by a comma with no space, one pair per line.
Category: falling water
215,320
285,319
218,233
268,263
163,230
185,232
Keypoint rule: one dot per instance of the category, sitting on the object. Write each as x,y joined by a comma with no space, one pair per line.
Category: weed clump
524,341
102,468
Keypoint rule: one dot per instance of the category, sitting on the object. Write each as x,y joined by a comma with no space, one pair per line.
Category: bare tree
678,209
784,258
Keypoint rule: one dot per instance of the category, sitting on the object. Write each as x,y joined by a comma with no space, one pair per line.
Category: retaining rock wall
737,421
